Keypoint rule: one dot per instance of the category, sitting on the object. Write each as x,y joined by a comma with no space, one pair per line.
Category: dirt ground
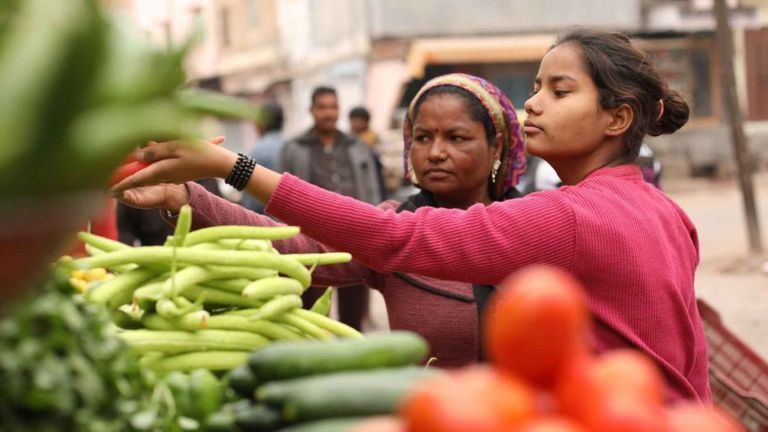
731,280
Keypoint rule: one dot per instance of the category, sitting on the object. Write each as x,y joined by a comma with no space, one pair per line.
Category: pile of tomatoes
543,378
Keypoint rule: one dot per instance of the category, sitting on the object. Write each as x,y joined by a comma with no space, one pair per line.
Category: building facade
378,52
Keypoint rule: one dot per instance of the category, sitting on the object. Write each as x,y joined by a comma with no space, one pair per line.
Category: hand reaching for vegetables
174,163
131,165
162,196
154,179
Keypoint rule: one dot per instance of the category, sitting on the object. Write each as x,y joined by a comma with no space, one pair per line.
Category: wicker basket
738,375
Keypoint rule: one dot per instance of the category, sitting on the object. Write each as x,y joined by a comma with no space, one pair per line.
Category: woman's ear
621,120
496,147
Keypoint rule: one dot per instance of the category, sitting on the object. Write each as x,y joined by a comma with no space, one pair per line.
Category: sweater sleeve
482,244
211,210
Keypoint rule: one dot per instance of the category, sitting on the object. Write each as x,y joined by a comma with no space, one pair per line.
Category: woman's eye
420,138
560,93
457,139
533,92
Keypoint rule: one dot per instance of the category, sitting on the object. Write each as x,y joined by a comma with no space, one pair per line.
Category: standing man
267,150
328,158
359,128
359,125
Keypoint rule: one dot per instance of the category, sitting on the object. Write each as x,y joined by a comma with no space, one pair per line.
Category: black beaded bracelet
241,172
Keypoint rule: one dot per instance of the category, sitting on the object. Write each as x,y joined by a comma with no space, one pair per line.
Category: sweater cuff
282,203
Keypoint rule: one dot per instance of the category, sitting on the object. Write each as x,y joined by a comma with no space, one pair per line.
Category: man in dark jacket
328,158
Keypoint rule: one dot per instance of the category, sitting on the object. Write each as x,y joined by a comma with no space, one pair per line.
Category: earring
412,173
495,170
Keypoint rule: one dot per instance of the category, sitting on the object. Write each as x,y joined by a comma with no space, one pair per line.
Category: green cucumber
325,425
223,420
342,394
296,359
242,381
257,418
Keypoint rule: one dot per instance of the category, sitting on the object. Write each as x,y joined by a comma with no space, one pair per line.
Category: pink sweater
632,247
448,322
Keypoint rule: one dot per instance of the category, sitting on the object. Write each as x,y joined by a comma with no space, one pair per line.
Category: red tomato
618,391
126,170
536,323
691,416
475,399
587,382
552,424
380,424
627,414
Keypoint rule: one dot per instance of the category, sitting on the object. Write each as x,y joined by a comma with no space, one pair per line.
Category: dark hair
360,112
272,116
625,75
322,90
477,111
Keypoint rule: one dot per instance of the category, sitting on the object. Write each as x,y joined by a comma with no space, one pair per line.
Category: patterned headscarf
502,115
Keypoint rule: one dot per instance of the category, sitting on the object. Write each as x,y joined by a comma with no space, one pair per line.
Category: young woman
463,145
595,98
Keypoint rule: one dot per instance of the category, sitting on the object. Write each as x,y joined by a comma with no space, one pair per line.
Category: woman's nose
437,150
531,105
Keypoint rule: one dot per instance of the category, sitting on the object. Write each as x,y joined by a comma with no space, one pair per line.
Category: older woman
463,145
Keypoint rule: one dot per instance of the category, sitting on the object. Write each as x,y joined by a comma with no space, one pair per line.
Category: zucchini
296,359
342,394
242,381
223,420
326,425
257,418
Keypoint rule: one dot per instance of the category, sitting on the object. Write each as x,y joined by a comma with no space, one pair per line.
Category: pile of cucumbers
208,297
312,387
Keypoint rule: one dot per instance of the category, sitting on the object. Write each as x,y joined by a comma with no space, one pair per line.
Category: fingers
129,197
119,195
151,175
155,151
217,140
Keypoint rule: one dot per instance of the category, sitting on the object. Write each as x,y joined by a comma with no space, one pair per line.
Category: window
517,87
224,21
687,65
253,13
201,27
700,68
756,53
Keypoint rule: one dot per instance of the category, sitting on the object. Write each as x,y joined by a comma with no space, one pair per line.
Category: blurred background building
378,52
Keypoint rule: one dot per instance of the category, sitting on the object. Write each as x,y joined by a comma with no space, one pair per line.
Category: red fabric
633,248
448,324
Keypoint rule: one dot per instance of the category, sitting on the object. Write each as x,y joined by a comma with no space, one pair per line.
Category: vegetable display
61,366
206,298
80,89
297,386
